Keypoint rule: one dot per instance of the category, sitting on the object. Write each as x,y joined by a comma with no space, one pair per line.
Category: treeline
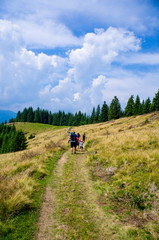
10,139
99,114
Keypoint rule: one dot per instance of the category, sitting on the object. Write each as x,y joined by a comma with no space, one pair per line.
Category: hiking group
76,142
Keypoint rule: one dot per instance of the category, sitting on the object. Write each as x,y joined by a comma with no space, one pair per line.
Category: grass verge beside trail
22,224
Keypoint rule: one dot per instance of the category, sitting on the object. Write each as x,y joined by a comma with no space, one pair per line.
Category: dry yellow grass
17,170
123,157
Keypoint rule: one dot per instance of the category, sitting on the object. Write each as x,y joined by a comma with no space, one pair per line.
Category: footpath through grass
23,225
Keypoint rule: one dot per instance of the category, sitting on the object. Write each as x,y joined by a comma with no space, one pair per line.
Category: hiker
78,140
81,146
84,136
73,141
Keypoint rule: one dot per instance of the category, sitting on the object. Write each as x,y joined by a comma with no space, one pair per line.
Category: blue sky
73,55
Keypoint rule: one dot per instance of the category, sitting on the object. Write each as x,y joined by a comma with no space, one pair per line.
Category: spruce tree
50,118
24,115
129,109
75,120
115,109
83,119
70,119
137,106
18,117
155,102
104,113
92,117
147,105
55,120
63,119
97,114
30,115
37,116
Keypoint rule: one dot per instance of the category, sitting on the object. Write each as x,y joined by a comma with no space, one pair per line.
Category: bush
31,136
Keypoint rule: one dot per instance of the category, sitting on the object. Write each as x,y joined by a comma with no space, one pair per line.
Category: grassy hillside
23,177
122,158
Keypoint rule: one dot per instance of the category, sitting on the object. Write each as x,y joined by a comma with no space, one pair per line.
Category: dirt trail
46,219
70,209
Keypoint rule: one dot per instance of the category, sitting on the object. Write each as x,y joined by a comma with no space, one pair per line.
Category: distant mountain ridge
6,115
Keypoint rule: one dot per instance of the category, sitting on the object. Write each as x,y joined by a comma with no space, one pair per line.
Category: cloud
94,58
23,75
85,77
141,58
99,50
76,97
96,90
47,34
135,15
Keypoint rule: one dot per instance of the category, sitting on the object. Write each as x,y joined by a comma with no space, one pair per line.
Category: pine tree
75,121
83,119
50,118
37,116
63,119
18,117
92,117
20,142
97,114
70,119
147,105
24,115
115,109
155,102
104,113
129,109
30,115
55,120
137,106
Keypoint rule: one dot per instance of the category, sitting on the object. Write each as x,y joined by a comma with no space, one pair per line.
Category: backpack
73,137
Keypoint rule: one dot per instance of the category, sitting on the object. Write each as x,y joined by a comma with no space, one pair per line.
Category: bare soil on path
46,219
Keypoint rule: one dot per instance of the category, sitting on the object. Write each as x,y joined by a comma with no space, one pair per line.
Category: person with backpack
78,140
84,137
73,141
81,146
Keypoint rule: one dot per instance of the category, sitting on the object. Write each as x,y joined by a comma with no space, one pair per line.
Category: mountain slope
6,115
109,191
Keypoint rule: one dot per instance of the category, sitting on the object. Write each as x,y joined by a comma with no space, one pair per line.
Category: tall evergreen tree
83,119
24,115
137,106
75,120
147,105
129,109
63,119
18,117
155,102
50,118
97,114
92,117
11,140
115,109
70,119
55,120
104,113
30,115
37,115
